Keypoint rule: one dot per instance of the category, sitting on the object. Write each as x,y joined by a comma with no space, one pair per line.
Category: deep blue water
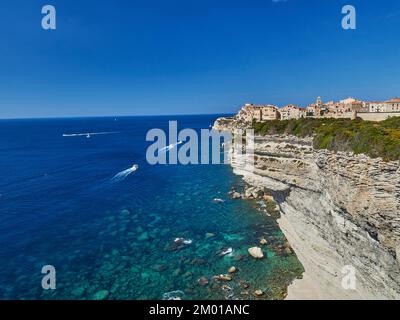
114,239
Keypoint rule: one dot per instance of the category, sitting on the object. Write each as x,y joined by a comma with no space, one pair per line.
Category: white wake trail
125,173
88,134
171,146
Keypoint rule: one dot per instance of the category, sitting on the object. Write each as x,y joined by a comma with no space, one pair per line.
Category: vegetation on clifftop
375,139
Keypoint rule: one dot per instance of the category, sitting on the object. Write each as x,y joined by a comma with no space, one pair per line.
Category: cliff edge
339,211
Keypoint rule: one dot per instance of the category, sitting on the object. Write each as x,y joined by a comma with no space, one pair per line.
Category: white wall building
376,106
292,112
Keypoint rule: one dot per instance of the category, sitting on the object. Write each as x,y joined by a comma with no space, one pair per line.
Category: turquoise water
114,239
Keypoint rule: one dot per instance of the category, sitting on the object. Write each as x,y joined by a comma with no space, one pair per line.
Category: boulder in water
223,277
236,195
258,293
256,252
232,269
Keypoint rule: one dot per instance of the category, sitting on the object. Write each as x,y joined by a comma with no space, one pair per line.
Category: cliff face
337,210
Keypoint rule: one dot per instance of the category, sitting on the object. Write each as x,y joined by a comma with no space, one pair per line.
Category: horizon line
114,116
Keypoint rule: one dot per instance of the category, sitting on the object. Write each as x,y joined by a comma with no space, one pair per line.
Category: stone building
269,112
376,106
258,113
313,111
393,105
292,112
357,105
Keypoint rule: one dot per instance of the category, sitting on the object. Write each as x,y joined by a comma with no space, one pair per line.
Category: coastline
334,216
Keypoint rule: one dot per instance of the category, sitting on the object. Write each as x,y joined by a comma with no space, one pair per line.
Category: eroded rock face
227,124
337,210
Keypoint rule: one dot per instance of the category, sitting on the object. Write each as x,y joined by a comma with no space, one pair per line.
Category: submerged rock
236,195
287,251
203,281
143,237
145,277
125,212
187,274
178,244
238,257
78,291
244,284
100,295
177,272
226,288
223,277
232,269
173,295
197,262
263,242
160,267
256,252
258,293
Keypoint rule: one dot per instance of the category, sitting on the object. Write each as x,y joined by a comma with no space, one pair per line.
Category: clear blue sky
192,56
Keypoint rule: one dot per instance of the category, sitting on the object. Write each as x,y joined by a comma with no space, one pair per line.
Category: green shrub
375,139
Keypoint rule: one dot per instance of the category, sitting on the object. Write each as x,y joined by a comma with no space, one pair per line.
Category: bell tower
319,102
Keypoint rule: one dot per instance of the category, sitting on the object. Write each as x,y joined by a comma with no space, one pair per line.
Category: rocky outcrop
230,123
339,211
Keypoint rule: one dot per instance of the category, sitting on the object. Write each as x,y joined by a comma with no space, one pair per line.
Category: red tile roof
395,100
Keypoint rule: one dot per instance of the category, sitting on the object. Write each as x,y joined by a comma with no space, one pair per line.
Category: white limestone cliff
337,210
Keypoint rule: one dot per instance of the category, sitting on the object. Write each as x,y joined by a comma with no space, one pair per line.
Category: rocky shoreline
337,210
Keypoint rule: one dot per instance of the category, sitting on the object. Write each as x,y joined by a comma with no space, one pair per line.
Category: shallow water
59,205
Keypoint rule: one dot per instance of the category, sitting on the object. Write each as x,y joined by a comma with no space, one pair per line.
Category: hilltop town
329,125
348,108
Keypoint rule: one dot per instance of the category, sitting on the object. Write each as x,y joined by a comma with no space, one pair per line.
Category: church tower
319,102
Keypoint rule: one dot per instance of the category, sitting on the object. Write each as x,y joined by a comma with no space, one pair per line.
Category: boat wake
87,134
171,146
123,174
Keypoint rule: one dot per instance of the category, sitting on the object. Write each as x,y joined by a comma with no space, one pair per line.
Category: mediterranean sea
113,232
